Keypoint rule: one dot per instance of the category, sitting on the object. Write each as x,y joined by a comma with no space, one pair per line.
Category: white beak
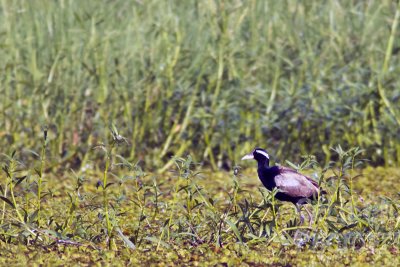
248,156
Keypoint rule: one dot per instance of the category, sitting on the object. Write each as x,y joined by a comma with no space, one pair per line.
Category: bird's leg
298,206
310,217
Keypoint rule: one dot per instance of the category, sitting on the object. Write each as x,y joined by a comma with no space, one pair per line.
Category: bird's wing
286,169
295,184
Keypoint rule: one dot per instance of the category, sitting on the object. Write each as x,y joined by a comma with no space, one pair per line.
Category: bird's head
260,155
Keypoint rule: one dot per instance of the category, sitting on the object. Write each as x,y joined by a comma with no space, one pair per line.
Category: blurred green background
212,79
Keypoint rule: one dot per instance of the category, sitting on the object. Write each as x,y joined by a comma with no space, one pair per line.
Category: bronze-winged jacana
292,186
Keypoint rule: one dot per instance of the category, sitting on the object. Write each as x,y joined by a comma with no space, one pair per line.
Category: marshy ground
190,216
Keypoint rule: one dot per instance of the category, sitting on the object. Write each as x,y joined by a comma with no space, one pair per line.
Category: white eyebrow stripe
263,153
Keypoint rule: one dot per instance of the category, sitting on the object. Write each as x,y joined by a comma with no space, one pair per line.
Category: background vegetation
211,79
189,82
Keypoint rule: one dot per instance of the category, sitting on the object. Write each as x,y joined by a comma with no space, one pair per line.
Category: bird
292,186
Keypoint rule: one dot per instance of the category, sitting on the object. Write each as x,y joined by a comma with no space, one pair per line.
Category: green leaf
234,229
113,129
126,240
7,171
294,166
33,216
25,215
8,201
19,180
53,233
156,241
332,226
109,184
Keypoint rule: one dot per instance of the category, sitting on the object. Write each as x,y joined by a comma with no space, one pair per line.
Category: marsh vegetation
123,122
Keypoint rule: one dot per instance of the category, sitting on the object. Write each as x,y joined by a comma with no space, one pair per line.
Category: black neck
263,164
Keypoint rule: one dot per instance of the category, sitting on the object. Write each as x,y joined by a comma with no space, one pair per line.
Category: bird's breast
267,178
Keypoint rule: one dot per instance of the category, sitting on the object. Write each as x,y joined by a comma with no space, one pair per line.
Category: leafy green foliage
191,216
167,85
211,79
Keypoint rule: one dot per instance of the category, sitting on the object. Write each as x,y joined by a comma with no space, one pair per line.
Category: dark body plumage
292,186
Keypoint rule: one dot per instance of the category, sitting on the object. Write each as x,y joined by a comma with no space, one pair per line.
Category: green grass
195,216
208,78
191,87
